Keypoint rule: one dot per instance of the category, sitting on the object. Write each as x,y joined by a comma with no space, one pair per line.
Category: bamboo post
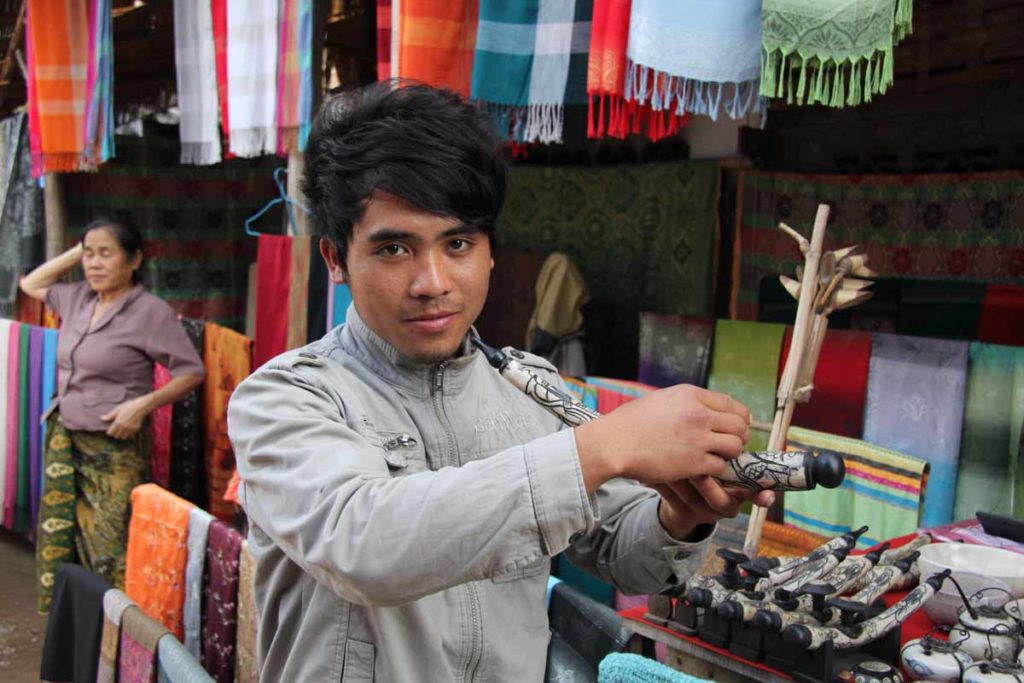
794,363
55,214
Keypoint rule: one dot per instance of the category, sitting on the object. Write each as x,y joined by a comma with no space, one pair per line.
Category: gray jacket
403,516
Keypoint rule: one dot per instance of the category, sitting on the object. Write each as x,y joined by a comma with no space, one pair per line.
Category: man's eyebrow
461,229
392,235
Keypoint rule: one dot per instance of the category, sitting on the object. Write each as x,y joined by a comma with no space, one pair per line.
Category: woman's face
108,267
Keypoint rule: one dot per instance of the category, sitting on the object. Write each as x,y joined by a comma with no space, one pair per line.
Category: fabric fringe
904,24
615,117
663,91
845,83
63,162
200,153
544,123
253,142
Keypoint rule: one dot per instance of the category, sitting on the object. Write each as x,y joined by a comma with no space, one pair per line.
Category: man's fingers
725,446
724,403
716,497
765,499
730,423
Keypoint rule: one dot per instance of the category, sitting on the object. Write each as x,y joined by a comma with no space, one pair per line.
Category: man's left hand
127,418
688,503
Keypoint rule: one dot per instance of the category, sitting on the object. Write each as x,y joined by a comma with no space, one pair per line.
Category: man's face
419,281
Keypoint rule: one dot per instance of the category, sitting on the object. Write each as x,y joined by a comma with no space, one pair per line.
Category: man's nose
432,279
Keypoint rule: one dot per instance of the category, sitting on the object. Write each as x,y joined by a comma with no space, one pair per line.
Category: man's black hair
427,146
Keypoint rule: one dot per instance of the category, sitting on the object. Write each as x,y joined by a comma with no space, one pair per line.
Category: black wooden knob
766,621
797,635
828,470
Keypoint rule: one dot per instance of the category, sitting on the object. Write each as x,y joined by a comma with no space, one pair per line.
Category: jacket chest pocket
403,452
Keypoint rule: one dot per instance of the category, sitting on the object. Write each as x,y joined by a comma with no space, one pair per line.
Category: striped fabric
435,42
383,40
294,75
882,489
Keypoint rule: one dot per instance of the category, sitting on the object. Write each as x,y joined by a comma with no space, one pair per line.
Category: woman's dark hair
128,238
427,146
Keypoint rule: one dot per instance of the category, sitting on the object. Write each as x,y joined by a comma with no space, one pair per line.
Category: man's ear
335,268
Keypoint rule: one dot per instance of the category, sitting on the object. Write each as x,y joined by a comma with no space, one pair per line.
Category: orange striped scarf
58,31
436,42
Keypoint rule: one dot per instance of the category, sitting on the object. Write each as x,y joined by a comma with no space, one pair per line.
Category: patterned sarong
157,555
882,489
936,227
83,515
745,365
915,405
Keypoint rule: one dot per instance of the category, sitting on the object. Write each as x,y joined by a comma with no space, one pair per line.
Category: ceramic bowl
975,567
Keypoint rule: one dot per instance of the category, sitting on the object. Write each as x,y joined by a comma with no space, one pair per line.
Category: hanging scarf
219,20
273,278
838,52
882,489
70,71
615,114
227,356
198,530
160,423
195,59
695,56
993,414
435,42
176,665
840,385
744,364
1002,315
294,75
220,608
13,419
915,405
35,404
383,40
50,338
5,331
115,603
252,75
22,508
246,667
157,555
137,649
188,467
521,66
674,349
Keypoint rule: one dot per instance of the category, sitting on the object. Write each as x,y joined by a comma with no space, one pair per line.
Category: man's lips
433,322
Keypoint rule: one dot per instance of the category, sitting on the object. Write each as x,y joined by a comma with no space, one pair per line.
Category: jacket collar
383,359
85,313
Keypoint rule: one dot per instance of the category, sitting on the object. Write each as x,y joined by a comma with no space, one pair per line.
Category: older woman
97,442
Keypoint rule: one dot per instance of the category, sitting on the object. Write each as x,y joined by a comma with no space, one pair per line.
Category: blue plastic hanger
282,197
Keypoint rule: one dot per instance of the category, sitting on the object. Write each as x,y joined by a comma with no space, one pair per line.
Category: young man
405,500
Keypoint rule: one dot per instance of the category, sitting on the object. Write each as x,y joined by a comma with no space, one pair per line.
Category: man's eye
460,244
392,250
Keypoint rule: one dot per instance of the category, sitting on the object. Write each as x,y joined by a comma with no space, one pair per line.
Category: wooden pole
56,215
802,330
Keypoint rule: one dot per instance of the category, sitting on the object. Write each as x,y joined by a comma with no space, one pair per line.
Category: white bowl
975,567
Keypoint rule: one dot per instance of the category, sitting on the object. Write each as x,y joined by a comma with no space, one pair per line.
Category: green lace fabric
832,52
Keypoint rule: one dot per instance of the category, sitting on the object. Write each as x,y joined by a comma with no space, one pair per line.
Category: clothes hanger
282,198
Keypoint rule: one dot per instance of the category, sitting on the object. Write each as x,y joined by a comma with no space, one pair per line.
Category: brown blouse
100,368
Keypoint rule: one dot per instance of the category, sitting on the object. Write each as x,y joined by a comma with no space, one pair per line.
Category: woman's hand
127,419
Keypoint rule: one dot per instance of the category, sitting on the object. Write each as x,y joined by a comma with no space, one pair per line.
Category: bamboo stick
794,363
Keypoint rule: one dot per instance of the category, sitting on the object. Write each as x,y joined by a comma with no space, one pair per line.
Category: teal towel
619,667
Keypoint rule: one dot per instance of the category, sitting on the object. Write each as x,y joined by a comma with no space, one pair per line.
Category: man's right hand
676,433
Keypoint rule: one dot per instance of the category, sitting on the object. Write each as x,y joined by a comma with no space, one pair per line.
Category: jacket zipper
451,457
